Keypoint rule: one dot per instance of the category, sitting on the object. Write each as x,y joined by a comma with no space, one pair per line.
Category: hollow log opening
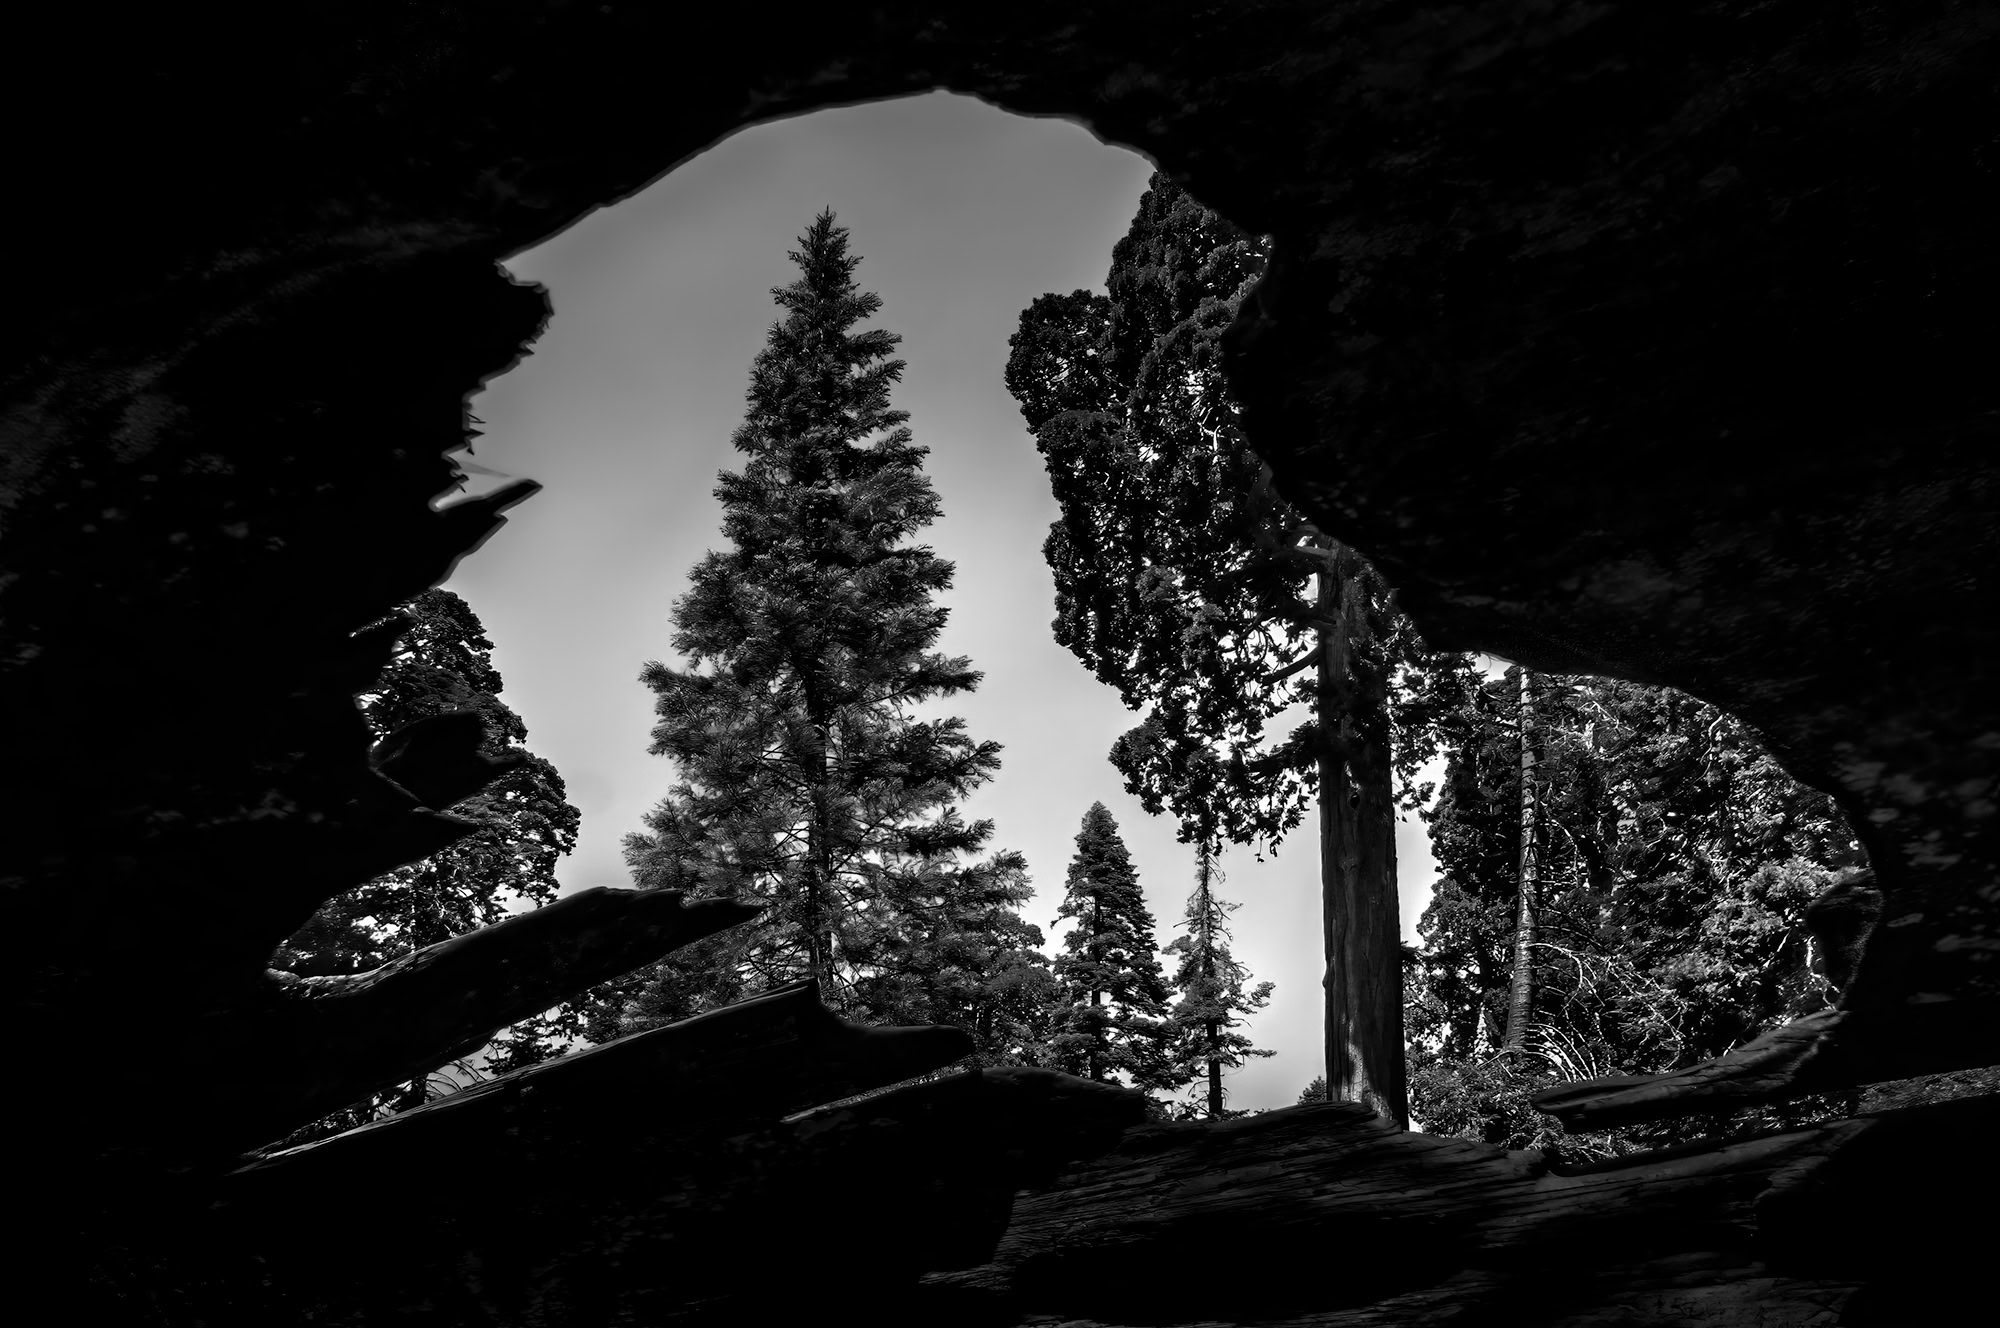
1648,341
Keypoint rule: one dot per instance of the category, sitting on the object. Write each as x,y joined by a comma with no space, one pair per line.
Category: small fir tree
1214,999
1112,1011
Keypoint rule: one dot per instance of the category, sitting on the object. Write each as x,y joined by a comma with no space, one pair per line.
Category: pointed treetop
1101,858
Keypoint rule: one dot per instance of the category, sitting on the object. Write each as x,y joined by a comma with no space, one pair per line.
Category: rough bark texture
334,1040
1325,1216
628,1183
1364,977
1650,340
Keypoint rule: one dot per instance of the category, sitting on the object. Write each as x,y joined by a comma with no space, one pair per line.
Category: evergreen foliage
805,778
443,664
1676,866
962,954
1214,996
1184,603
1183,578
1111,1016
1187,582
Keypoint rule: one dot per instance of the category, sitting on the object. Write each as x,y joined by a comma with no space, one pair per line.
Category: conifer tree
960,953
443,664
1112,1012
1213,998
1185,580
806,780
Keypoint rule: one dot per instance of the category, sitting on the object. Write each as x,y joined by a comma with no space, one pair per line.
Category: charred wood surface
1324,1215
759,1059
634,1186
349,1035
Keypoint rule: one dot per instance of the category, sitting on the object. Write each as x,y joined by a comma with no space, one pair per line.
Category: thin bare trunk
1521,993
1364,981
1207,940
818,913
1097,1038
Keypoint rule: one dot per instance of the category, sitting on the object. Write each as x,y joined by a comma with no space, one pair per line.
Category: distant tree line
1624,874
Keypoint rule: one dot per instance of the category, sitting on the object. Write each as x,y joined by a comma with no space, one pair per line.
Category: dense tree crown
1182,577
443,664
1179,579
806,778
1112,1012
1675,860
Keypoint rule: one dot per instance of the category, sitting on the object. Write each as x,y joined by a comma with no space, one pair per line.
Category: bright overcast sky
962,215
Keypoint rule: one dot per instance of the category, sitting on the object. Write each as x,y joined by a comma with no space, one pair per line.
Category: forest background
1689,855
963,215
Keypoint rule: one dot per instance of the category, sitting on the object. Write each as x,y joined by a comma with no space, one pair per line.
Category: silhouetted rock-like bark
350,1035
659,1177
1326,1216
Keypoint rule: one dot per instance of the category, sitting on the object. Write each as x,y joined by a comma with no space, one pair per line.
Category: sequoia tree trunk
1364,985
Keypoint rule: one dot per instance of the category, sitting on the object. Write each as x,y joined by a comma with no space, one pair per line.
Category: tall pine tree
806,779
1112,1012
1213,998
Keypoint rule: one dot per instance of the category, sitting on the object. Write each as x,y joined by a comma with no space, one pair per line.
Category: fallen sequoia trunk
671,1175
1324,1215
351,1034
706,1207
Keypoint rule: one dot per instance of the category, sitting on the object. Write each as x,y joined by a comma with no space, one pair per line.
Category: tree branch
1777,1065
1307,660
1318,557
